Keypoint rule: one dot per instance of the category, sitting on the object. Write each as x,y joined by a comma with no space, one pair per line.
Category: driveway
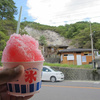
69,90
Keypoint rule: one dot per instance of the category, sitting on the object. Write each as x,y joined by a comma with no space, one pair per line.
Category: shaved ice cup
30,82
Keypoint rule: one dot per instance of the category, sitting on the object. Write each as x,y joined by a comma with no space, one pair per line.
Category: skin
8,75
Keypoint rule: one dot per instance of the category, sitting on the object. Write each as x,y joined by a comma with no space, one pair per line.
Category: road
69,90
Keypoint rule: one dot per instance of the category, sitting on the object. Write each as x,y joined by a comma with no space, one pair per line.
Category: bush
0,58
3,40
68,66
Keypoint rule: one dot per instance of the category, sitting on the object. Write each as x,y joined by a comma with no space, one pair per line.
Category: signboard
70,57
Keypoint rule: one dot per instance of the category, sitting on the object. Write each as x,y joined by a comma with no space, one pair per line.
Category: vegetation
79,32
42,40
3,40
0,57
7,9
7,22
68,66
8,27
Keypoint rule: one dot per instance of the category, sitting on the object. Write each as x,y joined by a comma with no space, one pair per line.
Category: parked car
49,74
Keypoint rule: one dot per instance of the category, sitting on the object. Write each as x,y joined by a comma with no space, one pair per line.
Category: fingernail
18,68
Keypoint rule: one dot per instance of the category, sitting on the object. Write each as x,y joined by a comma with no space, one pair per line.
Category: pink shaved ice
21,48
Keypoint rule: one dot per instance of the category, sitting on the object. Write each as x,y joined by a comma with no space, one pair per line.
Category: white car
48,74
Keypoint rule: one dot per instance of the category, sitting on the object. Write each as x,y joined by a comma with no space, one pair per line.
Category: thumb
11,74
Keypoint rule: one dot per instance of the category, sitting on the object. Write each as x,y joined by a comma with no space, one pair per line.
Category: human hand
8,75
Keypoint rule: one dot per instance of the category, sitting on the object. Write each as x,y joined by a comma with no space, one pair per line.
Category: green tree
42,40
25,19
8,26
82,39
97,44
7,9
3,40
0,57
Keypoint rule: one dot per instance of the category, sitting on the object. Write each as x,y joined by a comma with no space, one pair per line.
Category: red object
30,76
22,48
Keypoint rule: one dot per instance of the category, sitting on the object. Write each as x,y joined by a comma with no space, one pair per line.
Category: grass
68,66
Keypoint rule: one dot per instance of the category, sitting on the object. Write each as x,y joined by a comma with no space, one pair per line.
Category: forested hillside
79,32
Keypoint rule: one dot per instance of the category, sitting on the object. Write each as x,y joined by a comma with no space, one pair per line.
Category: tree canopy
42,40
7,9
3,40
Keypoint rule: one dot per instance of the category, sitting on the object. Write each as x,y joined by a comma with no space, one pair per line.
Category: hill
78,34
52,38
74,35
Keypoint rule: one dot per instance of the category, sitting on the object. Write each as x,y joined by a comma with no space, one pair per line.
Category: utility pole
92,45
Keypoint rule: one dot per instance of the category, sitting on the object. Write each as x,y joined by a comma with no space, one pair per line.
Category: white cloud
58,12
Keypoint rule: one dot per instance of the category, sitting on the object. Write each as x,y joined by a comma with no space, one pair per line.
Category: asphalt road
69,90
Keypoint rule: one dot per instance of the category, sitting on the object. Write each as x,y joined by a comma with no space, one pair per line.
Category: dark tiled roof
75,50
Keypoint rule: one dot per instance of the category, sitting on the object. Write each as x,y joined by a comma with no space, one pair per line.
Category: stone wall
79,74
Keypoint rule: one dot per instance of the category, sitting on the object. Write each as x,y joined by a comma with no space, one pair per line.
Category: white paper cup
30,82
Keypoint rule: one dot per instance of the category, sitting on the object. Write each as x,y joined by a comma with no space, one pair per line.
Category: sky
58,12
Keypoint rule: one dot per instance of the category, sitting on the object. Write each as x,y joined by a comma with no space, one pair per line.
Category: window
83,58
85,54
65,54
78,52
46,69
70,57
89,54
52,49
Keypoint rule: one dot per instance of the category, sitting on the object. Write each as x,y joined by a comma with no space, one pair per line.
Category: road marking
71,86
